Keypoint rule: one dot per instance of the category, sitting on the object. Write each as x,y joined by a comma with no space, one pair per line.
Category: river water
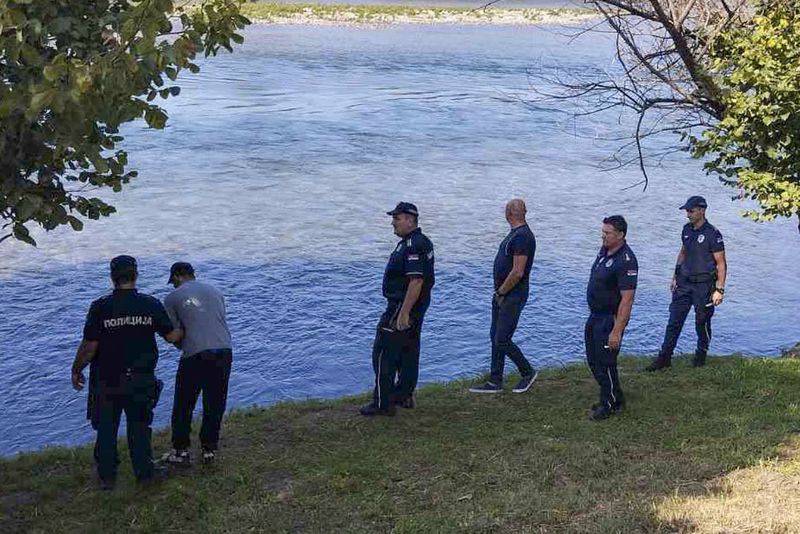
273,177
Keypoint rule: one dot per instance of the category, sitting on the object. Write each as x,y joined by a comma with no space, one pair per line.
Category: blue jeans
505,318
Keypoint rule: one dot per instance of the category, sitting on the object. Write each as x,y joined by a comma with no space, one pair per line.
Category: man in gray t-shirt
205,365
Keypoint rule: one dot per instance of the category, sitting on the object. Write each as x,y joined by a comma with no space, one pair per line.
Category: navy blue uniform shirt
610,276
125,323
412,258
520,241
700,245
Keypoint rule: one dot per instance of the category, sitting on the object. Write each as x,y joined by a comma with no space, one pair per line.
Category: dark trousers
207,372
136,397
686,295
505,318
395,357
602,361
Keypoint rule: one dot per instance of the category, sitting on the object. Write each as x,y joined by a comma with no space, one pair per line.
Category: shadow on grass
462,463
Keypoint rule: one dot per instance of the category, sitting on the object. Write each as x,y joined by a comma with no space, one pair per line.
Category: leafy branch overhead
722,74
71,73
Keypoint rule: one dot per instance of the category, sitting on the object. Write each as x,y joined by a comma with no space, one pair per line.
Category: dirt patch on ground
10,501
340,413
763,499
280,483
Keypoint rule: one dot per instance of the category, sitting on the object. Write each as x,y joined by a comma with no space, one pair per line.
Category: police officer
119,341
512,269
610,293
407,283
699,281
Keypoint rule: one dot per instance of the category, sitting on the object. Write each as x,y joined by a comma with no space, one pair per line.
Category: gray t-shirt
199,309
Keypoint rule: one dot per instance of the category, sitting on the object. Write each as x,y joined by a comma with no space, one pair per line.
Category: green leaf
76,223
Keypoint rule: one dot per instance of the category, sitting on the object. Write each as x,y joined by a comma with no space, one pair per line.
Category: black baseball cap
694,202
123,265
404,207
180,268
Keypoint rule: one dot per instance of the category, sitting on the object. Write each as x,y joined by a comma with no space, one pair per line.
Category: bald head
516,211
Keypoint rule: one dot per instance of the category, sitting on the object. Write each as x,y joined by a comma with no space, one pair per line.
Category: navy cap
404,207
694,202
123,265
180,268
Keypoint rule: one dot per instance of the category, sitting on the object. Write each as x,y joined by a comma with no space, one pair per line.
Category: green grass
270,12
458,463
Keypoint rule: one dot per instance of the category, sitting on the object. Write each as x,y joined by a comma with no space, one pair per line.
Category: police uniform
122,376
505,315
396,352
696,278
611,274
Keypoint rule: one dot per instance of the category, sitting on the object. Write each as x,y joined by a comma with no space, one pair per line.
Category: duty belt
701,278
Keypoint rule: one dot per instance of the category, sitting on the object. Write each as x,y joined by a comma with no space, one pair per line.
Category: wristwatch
720,289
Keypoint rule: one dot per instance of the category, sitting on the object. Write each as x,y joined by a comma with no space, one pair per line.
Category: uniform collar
411,233
620,249
702,227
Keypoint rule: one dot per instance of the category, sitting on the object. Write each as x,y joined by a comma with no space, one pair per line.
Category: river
273,177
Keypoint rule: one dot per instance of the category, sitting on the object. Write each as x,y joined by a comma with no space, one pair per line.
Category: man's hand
674,284
614,340
498,298
78,380
717,297
403,321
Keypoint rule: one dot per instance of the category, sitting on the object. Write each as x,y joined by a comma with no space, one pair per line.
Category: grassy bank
697,450
388,14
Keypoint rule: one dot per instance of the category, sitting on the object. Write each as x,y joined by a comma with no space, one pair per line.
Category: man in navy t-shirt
407,283
512,269
609,294
699,281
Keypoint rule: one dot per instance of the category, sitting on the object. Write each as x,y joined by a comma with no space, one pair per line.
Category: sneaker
179,457
699,359
658,364
370,410
600,413
525,384
488,387
208,455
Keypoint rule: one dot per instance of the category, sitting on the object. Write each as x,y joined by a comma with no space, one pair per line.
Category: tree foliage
723,74
71,73
756,144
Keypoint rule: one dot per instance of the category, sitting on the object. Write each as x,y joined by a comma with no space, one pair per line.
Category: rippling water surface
273,177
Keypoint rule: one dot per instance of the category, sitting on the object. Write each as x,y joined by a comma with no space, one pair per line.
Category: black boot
661,362
699,359
370,410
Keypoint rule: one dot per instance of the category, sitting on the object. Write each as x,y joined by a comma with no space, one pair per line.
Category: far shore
380,15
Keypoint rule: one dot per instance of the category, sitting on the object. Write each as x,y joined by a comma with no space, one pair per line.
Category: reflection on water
273,178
